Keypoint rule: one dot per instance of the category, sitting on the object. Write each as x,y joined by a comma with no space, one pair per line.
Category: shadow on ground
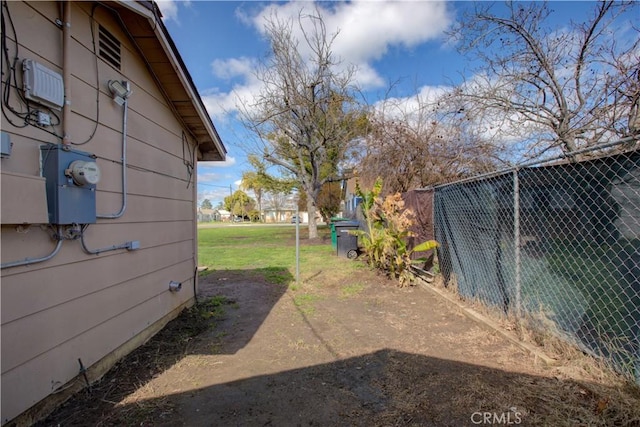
384,388
259,290
246,356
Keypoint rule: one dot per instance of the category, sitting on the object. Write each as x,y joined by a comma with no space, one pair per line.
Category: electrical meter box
71,177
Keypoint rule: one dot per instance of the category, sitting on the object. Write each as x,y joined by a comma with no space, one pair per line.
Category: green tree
329,200
260,182
239,203
251,181
206,204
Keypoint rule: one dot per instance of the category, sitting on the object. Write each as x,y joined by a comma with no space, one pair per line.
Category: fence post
297,243
516,237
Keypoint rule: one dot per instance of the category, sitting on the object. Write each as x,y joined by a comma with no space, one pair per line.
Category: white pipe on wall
118,214
29,261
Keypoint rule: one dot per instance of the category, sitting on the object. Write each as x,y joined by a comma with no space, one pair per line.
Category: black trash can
347,243
334,241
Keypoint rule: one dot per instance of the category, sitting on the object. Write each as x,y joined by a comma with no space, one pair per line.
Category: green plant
212,307
387,228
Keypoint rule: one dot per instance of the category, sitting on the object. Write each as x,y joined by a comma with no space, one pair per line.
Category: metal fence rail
556,243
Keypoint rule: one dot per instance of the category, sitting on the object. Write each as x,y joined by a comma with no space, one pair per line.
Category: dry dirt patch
323,353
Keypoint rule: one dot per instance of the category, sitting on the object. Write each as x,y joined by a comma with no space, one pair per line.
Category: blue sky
400,42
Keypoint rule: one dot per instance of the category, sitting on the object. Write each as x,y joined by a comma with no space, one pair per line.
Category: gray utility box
347,243
68,201
5,148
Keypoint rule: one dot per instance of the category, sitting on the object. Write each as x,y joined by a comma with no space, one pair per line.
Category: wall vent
109,47
42,85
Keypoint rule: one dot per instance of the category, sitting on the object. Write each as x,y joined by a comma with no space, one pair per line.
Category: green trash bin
334,220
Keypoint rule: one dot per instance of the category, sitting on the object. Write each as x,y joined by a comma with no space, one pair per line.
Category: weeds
304,303
276,275
351,290
212,307
113,400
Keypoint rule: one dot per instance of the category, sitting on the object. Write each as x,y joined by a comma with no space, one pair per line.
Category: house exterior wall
77,306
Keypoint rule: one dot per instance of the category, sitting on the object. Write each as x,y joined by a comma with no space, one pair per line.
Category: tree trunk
313,226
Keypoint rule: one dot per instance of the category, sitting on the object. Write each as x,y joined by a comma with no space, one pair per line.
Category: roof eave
192,111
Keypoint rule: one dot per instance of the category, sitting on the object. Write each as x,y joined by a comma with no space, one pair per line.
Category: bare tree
413,145
277,201
306,116
566,88
261,182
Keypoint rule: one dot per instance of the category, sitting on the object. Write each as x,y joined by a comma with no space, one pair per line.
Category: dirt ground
364,355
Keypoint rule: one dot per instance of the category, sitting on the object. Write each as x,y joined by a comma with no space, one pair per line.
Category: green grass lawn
246,247
272,250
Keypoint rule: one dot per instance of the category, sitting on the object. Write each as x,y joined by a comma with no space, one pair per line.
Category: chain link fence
556,243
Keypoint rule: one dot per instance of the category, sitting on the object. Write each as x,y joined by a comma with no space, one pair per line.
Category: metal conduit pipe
126,245
66,71
125,106
28,261
130,246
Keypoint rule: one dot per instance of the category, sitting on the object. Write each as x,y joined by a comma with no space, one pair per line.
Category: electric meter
84,172
70,183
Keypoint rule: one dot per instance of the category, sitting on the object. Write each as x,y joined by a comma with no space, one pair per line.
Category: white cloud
367,29
212,194
169,9
220,104
404,106
213,180
234,67
367,76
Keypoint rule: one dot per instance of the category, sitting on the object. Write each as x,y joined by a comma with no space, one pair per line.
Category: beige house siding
76,305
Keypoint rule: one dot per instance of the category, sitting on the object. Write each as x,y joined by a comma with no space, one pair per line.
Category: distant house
102,132
351,200
279,209
281,215
206,215
222,215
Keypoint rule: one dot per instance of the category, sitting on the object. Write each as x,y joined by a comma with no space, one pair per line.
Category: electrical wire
10,66
143,169
191,162
95,57
11,81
